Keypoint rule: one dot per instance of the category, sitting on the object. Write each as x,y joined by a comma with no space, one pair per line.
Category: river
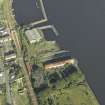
81,24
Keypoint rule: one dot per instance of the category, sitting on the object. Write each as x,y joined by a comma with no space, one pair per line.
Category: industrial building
33,35
58,60
58,64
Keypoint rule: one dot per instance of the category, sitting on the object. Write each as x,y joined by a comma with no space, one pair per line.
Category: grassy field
21,99
1,1
2,100
77,95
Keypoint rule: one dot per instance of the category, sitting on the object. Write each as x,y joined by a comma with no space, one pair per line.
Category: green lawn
21,99
1,1
2,100
77,95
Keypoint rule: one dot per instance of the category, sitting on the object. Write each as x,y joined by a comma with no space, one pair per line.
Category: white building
33,35
9,57
5,39
4,36
2,77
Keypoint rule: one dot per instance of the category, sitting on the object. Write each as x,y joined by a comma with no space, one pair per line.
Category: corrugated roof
33,35
60,56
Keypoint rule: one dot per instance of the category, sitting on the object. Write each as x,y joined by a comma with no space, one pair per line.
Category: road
10,24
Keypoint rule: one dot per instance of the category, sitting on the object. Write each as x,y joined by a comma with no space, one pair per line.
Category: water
26,11
81,24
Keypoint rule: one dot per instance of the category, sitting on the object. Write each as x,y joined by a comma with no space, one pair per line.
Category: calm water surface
81,24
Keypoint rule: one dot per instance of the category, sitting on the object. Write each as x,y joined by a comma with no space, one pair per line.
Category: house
5,39
2,28
4,32
4,36
10,55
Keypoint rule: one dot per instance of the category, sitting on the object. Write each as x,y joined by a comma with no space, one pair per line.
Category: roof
9,52
5,39
60,56
9,56
33,35
4,35
1,28
62,53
